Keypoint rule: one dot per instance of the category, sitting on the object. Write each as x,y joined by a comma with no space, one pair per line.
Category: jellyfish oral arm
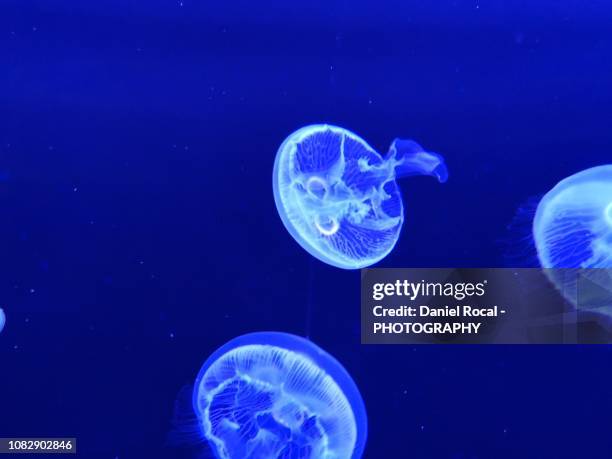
409,159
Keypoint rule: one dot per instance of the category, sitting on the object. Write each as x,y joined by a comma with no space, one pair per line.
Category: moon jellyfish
338,197
572,230
2,319
274,395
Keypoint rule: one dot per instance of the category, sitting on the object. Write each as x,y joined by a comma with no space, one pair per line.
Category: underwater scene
192,192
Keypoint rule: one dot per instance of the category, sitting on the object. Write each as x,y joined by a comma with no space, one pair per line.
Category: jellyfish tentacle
409,159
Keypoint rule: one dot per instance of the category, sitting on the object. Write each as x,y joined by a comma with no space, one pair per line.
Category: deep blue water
139,231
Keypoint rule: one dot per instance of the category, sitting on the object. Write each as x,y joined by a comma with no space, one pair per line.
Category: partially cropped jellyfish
572,227
2,319
572,231
274,396
337,196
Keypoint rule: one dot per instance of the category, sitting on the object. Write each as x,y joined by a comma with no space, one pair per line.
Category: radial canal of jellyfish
572,231
273,395
338,197
2,319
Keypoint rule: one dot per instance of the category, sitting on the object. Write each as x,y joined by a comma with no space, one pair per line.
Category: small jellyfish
572,231
337,196
273,395
2,319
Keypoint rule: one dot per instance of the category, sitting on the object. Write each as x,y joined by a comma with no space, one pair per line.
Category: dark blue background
139,230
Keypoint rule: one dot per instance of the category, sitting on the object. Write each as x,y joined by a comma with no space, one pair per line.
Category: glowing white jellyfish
2,319
573,222
337,196
572,231
274,395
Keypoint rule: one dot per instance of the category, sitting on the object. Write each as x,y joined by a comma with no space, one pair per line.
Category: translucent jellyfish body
337,196
572,229
274,396
2,319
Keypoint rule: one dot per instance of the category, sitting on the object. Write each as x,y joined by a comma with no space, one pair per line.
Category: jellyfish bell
572,232
2,319
576,214
338,197
272,395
